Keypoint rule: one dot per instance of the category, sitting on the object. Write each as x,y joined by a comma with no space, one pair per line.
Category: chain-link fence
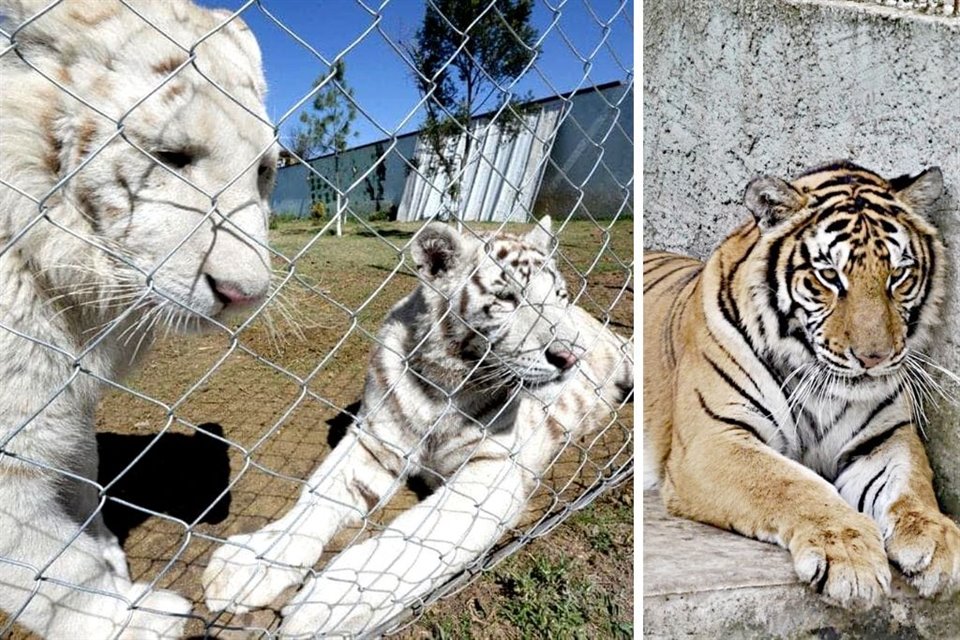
137,162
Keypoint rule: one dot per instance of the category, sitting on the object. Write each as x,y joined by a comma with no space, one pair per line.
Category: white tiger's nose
561,358
233,293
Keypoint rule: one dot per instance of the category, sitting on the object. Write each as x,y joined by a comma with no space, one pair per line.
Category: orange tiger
781,380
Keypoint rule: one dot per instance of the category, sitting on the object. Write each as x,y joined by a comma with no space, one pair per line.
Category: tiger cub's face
505,302
856,270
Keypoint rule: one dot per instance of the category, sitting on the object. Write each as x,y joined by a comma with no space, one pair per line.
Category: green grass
597,524
545,599
567,585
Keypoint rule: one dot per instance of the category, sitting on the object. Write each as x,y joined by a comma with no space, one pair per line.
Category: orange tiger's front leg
889,479
723,475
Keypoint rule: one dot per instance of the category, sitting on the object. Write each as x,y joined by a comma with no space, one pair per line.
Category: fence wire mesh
136,165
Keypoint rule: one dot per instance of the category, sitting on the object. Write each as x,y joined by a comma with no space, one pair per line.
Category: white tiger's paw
159,616
115,558
926,547
240,578
325,606
846,563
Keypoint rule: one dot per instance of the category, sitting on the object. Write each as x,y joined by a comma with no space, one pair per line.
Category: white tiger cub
480,377
100,244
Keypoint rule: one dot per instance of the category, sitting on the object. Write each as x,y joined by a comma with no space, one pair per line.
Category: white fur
489,445
121,248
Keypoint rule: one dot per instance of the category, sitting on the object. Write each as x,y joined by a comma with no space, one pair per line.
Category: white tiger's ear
541,236
919,191
772,200
436,250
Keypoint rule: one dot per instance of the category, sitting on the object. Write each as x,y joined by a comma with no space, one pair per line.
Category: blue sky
572,53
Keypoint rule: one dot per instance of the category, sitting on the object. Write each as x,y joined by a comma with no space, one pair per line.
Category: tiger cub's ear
436,250
541,236
772,200
919,191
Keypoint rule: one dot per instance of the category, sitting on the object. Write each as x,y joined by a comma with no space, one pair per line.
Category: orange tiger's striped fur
781,380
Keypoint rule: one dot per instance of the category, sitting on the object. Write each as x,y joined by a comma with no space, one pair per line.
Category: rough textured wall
734,89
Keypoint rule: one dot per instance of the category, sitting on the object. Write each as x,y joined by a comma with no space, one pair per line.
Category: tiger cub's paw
246,573
925,544
845,562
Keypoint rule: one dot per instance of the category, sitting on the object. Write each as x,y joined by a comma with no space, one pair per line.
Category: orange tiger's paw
926,547
846,563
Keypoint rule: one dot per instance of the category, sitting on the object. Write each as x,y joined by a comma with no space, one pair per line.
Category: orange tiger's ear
919,191
436,250
772,200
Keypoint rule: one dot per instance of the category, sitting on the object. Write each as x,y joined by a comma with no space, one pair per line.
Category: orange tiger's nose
872,359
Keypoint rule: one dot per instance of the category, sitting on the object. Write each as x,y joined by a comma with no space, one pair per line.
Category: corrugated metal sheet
501,178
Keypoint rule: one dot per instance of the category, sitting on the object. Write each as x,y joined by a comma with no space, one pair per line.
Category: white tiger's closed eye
506,295
175,159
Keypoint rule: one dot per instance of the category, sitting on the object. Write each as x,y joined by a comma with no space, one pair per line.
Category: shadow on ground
182,476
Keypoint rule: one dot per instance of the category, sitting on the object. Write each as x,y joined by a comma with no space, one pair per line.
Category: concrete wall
734,89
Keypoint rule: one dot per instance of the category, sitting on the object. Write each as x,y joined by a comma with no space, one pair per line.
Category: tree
301,143
327,130
464,52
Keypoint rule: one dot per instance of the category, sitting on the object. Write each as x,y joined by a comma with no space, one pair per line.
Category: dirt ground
268,402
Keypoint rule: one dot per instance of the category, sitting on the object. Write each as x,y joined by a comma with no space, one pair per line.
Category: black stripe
679,304
647,287
659,261
651,257
883,404
733,360
820,434
863,496
815,200
876,495
731,421
732,316
914,320
730,381
869,445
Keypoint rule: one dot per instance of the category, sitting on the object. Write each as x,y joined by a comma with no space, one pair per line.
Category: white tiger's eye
174,159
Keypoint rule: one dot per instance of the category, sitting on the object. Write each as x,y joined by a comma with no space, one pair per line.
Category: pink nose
871,359
561,358
230,293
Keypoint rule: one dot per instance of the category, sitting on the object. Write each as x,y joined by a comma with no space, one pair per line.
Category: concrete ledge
703,582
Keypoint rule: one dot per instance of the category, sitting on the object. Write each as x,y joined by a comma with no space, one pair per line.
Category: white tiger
100,244
480,378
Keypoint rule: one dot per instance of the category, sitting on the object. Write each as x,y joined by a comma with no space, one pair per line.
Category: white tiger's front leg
250,570
890,480
369,583
56,578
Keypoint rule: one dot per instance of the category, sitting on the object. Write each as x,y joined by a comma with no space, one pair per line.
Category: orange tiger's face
860,282
854,271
